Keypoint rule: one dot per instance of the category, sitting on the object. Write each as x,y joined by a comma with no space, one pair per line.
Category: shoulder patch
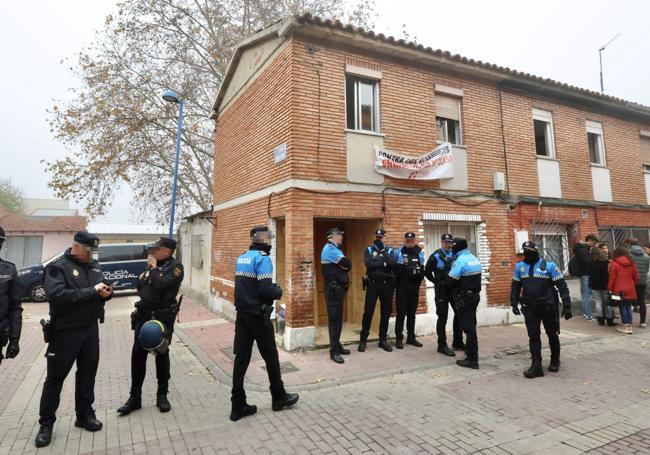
177,271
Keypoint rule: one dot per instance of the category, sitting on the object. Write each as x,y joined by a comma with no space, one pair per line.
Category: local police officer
409,270
157,289
336,269
254,296
10,310
465,286
437,271
380,283
76,293
540,280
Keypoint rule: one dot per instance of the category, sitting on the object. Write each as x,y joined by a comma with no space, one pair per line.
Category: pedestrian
642,262
409,271
605,249
465,287
582,255
11,317
255,293
623,278
598,279
379,284
158,287
535,285
336,274
76,294
437,271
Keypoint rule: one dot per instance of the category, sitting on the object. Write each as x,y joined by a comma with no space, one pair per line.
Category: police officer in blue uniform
379,284
465,287
535,283
336,274
409,271
437,271
76,294
11,318
157,288
255,293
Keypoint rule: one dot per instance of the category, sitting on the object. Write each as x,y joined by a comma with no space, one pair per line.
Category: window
362,104
543,126
140,252
448,119
115,253
595,142
645,153
23,250
433,233
616,236
197,251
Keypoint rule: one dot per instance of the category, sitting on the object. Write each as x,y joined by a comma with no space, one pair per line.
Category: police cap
529,245
332,232
409,235
86,238
447,238
380,233
165,242
258,229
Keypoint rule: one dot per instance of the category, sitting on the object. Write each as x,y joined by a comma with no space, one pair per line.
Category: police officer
336,269
10,309
465,287
157,289
380,283
437,271
539,279
409,270
76,294
254,296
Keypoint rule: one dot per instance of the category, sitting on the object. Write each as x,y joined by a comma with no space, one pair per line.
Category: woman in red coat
623,277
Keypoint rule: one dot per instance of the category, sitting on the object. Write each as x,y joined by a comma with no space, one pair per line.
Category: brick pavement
598,403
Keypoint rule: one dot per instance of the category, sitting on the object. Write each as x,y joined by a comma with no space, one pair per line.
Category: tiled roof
13,223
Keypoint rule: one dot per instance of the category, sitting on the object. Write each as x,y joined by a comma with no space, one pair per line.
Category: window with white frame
645,152
433,232
448,119
596,143
362,103
553,243
543,126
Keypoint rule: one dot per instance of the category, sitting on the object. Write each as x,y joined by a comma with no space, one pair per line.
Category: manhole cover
286,367
255,354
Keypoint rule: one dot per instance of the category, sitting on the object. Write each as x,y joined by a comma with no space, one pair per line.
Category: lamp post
600,56
171,97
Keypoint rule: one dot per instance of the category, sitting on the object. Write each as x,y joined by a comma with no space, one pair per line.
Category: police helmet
152,337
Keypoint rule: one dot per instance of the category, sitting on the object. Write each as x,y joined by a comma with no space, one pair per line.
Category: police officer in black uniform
336,274
409,271
157,289
10,309
437,271
76,294
380,284
535,283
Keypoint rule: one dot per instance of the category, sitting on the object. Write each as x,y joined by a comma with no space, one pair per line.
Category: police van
120,262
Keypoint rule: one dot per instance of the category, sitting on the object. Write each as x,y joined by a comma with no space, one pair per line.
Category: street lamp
600,56
171,97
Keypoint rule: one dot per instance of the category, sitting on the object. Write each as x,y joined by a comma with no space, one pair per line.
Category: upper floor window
543,126
596,144
645,152
362,104
448,119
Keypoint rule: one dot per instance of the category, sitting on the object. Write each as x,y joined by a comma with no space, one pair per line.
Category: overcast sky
556,39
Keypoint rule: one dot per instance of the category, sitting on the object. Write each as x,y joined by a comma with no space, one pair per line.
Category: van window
139,252
110,253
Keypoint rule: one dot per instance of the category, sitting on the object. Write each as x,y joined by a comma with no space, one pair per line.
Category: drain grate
255,354
285,367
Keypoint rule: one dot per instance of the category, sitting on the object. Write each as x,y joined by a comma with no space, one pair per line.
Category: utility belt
465,299
367,281
144,312
336,289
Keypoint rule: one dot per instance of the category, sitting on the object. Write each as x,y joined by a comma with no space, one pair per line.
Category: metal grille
615,236
552,239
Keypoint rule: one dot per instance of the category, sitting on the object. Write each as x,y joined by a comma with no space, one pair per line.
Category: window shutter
447,107
645,150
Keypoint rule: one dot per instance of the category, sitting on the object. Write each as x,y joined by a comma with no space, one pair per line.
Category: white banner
437,164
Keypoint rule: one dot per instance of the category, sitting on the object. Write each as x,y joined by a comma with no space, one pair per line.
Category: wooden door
320,230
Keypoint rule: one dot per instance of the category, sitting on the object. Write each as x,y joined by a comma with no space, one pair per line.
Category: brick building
302,107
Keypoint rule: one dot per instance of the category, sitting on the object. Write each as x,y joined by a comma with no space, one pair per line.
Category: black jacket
380,263
10,309
159,286
598,275
409,268
254,286
70,288
583,258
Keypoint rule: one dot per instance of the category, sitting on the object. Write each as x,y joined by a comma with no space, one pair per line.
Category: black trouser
640,300
139,358
467,320
408,296
385,294
547,315
66,347
442,311
334,319
250,327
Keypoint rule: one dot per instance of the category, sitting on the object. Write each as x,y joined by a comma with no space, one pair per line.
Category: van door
118,264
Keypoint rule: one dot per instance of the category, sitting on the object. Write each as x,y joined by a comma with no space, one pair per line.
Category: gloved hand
515,310
13,349
566,311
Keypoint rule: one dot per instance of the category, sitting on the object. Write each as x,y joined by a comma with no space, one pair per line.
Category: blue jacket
465,273
254,285
335,265
538,282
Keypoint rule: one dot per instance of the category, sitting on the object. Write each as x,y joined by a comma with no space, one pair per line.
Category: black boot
344,351
242,411
287,401
163,403
467,363
444,349
554,366
44,436
383,344
336,357
88,422
459,345
535,370
362,346
133,403
399,344
610,322
413,342
601,321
